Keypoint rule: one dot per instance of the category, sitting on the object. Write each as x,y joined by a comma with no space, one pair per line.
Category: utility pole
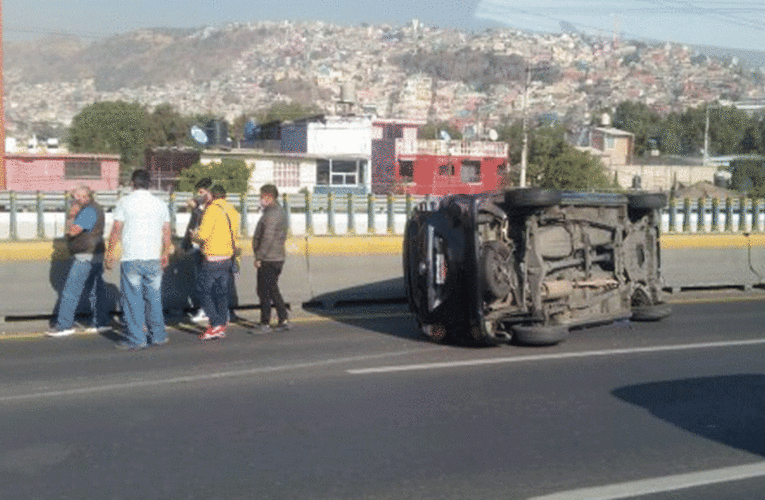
525,150
706,139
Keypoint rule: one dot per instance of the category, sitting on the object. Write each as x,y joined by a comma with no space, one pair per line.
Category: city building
60,172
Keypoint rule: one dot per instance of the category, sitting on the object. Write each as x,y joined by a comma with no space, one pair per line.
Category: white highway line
547,357
661,484
204,377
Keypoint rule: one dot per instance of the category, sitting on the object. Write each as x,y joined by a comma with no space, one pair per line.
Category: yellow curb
704,240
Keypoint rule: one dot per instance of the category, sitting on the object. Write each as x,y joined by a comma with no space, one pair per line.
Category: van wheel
651,313
539,334
647,201
532,197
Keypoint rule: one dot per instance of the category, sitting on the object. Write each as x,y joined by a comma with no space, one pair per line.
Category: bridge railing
25,215
38,215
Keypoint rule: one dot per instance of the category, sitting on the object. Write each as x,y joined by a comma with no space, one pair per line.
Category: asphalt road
360,407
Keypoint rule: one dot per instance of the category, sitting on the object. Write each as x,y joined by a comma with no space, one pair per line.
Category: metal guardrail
339,214
303,207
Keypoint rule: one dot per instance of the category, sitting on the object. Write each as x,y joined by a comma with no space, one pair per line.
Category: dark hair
141,179
203,183
269,189
218,192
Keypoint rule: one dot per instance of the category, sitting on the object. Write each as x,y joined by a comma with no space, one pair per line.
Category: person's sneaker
261,328
126,346
161,342
98,329
220,331
282,326
200,317
55,332
213,333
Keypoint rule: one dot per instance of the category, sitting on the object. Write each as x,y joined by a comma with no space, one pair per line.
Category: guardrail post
40,216
408,205
288,211
756,210
308,214
701,209
391,220
351,214
331,213
172,208
370,213
672,215
687,215
243,226
729,215
744,207
715,214
13,229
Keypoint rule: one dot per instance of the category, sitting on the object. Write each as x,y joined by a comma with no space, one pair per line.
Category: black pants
268,291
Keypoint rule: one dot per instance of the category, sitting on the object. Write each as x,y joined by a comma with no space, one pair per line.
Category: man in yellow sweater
218,233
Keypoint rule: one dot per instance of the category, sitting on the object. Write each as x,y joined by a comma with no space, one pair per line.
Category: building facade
60,172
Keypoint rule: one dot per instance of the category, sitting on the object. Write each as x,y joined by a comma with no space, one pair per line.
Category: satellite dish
445,135
199,135
493,135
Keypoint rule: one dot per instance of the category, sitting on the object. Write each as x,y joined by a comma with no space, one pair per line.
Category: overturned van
527,265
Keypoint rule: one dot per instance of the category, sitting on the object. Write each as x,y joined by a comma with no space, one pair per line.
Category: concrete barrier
326,271
33,273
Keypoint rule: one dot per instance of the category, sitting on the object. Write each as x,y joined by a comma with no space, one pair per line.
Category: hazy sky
725,23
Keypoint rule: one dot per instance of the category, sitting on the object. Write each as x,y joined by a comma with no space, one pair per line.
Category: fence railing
25,215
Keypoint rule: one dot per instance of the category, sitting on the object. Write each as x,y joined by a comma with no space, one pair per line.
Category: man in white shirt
142,227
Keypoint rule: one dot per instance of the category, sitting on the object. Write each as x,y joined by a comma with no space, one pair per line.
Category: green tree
638,118
233,175
552,162
166,127
572,169
112,128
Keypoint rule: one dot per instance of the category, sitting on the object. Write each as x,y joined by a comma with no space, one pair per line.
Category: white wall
340,137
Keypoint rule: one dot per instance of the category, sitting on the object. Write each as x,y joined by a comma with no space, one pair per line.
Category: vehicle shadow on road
728,409
379,307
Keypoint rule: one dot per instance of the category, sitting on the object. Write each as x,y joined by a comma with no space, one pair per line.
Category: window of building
82,169
340,172
470,171
446,170
406,170
287,173
610,142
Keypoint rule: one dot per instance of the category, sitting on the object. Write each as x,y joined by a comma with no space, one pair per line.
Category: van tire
651,313
539,335
532,197
647,201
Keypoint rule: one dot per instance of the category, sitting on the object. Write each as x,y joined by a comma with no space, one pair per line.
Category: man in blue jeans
142,227
85,239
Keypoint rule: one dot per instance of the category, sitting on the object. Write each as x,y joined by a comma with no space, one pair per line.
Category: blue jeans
141,301
84,275
215,282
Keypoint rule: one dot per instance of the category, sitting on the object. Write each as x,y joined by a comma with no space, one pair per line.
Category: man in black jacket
268,246
197,205
85,238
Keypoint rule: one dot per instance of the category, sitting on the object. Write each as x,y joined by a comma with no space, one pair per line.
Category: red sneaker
209,334
219,331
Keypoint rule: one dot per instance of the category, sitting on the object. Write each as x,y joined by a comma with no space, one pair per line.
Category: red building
450,167
59,172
